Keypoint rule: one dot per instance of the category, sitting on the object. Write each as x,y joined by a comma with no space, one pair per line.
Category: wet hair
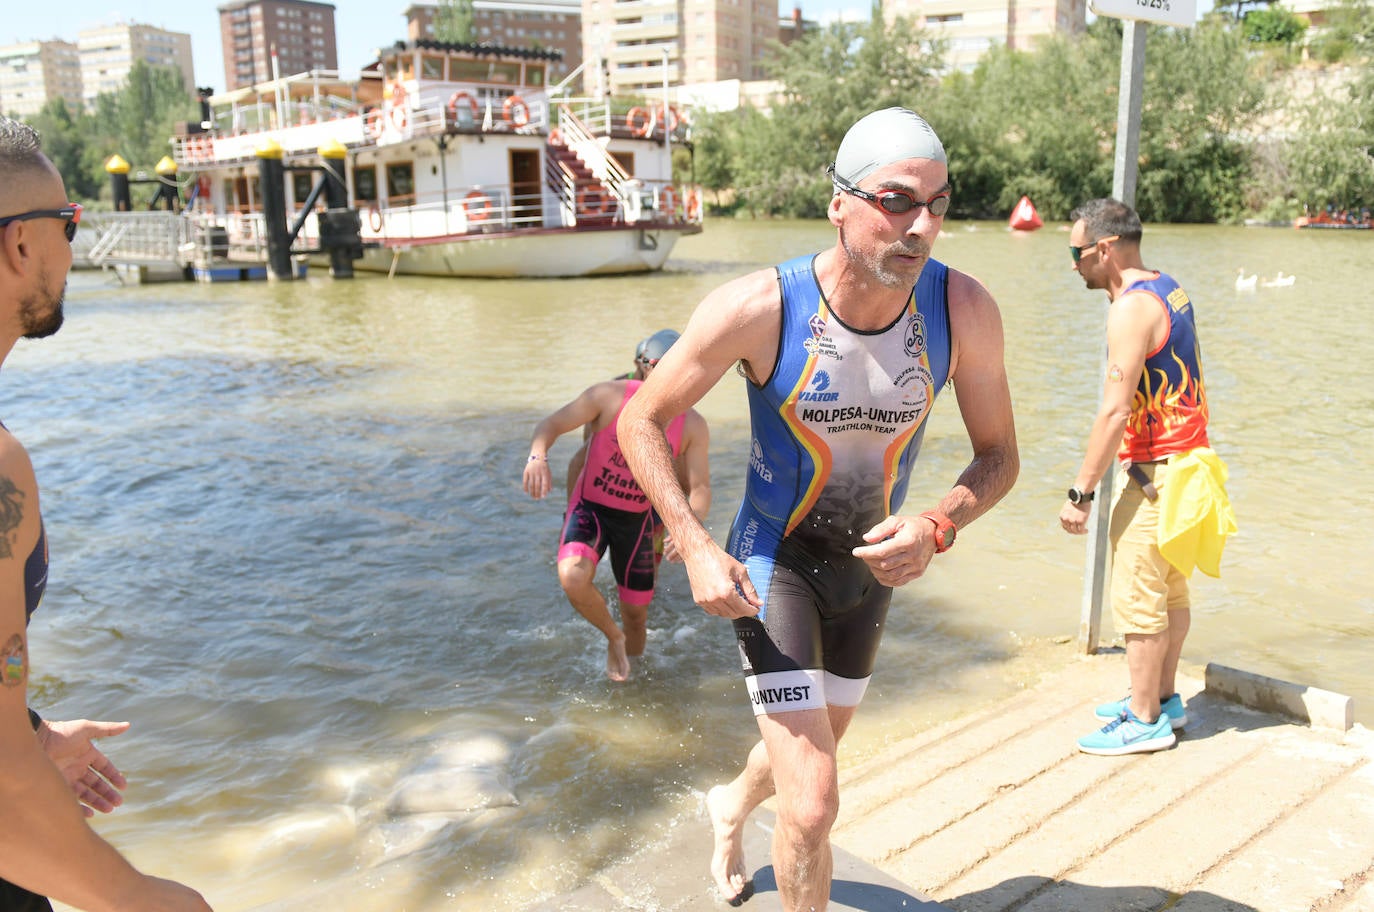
1107,217
21,149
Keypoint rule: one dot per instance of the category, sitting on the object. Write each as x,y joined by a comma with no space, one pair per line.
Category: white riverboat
460,161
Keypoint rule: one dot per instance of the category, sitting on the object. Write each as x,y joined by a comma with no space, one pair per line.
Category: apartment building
108,53
973,26
35,72
549,25
301,32
642,44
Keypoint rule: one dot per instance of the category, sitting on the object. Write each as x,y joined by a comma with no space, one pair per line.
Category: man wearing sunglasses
50,772
607,511
1153,418
845,352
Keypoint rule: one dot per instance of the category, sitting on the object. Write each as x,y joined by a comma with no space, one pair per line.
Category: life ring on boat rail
639,122
592,200
374,217
372,123
398,107
668,201
460,96
671,118
477,205
516,110
693,206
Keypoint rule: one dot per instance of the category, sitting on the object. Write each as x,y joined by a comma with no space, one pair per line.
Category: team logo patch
817,323
915,338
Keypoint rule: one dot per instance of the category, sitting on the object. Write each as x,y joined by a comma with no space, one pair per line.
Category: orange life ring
372,123
398,107
456,97
639,122
555,137
516,111
592,200
693,206
671,118
477,205
374,217
668,197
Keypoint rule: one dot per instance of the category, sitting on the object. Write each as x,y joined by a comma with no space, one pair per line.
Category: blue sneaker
1128,735
1172,707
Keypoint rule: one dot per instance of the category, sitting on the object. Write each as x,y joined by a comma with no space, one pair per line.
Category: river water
289,544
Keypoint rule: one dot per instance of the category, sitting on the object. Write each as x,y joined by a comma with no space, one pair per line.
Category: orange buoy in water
1024,217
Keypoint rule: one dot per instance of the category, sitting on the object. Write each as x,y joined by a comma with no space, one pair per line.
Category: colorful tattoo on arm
1114,374
14,662
11,514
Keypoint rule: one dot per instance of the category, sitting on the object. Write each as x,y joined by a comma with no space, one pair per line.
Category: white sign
1179,13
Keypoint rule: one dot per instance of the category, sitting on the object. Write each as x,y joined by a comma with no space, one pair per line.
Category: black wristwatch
1077,497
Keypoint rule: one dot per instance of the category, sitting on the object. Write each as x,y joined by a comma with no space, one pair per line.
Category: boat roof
483,49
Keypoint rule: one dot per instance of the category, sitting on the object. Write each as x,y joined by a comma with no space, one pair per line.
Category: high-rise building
973,26
549,25
35,72
300,32
642,44
108,53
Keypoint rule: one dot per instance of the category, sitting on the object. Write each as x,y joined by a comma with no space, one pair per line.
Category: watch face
1075,496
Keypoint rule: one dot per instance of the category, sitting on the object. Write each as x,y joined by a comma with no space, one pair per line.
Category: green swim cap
884,137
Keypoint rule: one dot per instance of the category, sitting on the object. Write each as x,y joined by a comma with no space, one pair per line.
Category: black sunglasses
1077,252
70,213
894,202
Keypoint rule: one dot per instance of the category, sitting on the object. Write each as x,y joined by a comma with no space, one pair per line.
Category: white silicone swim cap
884,137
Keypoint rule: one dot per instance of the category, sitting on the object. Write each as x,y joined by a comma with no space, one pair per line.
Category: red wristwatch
945,530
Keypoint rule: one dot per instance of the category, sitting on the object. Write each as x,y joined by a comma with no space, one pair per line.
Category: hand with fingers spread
97,783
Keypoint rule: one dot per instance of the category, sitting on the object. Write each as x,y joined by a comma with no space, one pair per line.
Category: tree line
1218,140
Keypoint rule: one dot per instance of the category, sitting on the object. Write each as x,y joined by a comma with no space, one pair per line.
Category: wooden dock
998,811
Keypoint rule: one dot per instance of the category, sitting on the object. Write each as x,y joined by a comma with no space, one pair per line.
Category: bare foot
617,663
727,859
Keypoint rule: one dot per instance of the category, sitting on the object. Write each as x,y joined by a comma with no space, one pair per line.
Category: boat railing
138,238
480,208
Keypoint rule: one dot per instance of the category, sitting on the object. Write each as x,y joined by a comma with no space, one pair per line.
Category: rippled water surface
290,545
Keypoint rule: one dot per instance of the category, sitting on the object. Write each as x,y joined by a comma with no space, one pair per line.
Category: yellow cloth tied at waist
1195,515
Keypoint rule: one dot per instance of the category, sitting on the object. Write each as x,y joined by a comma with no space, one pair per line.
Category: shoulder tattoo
11,513
14,662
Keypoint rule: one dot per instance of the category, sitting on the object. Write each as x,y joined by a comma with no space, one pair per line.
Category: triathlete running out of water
844,353
608,511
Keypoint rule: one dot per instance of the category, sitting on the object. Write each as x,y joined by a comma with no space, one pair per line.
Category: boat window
625,160
365,183
534,75
301,182
407,67
432,67
400,183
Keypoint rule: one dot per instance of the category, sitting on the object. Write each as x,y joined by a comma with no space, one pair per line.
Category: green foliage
1274,25
1347,35
135,122
775,164
64,143
453,21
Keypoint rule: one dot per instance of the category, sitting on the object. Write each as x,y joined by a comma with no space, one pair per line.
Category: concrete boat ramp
1267,809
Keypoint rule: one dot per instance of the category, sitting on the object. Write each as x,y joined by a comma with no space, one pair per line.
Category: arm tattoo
14,662
11,514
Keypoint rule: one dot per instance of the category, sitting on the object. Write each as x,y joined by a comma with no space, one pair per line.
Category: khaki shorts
1145,586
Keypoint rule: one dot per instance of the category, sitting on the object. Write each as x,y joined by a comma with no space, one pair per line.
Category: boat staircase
591,187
